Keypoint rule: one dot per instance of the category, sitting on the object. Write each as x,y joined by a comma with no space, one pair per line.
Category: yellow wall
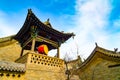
42,67
99,70
6,75
10,52
50,68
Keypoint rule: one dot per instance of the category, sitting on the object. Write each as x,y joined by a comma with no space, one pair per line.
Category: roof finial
73,35
115,49
96,44
48,23
48,19
29,10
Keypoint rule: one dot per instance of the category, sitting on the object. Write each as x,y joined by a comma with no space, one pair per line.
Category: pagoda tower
35,33
36,36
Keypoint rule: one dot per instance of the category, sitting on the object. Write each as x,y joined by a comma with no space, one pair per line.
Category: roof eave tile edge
12,67
98,49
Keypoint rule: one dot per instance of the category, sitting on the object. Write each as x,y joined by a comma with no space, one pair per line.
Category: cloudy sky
91,20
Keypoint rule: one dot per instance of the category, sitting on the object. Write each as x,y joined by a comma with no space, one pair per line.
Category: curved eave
31,20
102,53
24,28
50,30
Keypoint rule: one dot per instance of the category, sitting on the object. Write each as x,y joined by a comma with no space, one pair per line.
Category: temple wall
9,51
99,70
38,67
6,75
38,73
72,66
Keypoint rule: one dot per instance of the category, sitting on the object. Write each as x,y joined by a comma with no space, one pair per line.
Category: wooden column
21,52
33,35
33,44
58,52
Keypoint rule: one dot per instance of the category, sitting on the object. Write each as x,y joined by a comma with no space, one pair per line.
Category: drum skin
43,49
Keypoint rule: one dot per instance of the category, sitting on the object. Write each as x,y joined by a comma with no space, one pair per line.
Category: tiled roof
42,31
103,53
4,39
12,66
108,52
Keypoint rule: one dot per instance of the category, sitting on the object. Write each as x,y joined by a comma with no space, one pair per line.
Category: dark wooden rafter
32,20
21,52
42,39
25,27
26,42
56,34
49,36
58,52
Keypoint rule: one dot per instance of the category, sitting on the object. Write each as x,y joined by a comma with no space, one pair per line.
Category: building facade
102,64
20,59
71,67
19,55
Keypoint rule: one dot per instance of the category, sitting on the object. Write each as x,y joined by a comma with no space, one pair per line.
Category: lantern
43,49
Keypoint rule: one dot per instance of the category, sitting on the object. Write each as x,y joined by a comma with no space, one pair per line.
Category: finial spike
115,49
96,44
48,19
29,10
73,35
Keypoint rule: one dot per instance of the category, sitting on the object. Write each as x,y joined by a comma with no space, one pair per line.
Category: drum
43,49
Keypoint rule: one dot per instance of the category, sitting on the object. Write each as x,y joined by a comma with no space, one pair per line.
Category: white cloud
91,20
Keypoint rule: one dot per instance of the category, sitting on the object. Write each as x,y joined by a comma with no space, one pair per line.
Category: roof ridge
103,51
108,52
8,38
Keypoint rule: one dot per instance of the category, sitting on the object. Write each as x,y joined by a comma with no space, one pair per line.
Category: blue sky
91,20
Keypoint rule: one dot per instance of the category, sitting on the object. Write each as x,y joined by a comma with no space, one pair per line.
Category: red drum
43,49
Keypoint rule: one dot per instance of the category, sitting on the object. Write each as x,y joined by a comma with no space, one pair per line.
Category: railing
34,58
46,60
